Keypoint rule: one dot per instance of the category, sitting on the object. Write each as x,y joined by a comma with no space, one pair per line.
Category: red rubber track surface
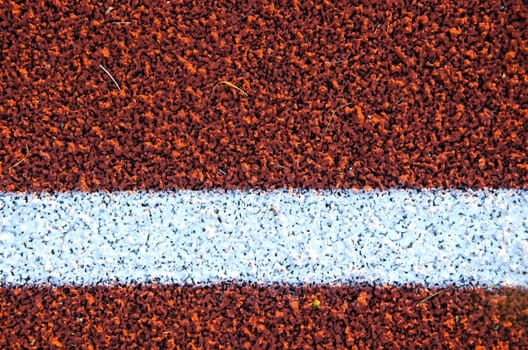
302,95
263,317
305,94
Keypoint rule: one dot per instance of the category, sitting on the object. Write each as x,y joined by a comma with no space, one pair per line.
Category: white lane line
433,237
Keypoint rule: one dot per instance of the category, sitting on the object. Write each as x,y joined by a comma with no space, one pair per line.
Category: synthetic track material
263,317
301,95
423,94
399,236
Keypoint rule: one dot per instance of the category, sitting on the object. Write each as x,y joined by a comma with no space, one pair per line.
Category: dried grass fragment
429,297
21,160
230,85
111,77
333,114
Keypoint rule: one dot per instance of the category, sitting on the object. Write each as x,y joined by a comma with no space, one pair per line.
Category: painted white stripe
434,237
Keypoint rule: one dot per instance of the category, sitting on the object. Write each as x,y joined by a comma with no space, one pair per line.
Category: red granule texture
296,94
263,95
260,317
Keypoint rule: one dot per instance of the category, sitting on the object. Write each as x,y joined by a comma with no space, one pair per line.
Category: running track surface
369,160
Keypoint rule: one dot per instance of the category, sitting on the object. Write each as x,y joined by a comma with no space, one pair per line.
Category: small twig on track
332,116
277,164
429,297
21,160
230,85
338,61
111,77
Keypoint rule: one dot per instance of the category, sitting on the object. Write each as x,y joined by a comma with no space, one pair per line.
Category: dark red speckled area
300,94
